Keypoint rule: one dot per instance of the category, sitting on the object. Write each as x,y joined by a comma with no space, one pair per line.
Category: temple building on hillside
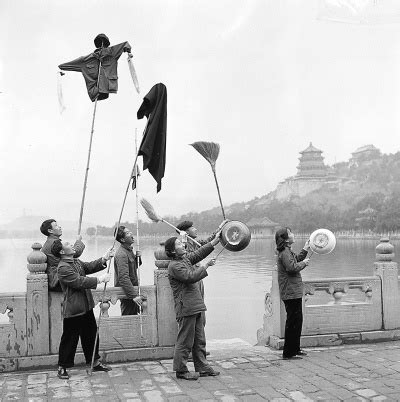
311,163
262,227
364,154
312,173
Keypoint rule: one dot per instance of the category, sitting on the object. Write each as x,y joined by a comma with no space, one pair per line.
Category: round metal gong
322,241
235,236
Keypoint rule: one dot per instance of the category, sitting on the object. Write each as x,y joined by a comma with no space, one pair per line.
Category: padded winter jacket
89,67
184,278
289,277
78,299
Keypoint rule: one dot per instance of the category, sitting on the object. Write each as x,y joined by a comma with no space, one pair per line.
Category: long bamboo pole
115,237
87,169
137,237
89,153
219,194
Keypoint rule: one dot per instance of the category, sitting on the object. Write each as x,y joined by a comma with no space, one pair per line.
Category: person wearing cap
78,304
184,277
53,231
99,68
290,283
125,271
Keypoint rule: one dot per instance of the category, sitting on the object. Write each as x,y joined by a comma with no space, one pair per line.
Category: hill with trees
364,196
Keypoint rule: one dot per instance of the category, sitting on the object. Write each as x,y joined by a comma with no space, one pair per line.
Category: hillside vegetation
364,197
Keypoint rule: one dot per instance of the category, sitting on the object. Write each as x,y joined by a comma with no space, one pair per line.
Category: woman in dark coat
291,289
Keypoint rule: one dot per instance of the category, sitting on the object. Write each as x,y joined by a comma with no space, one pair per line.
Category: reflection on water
236,285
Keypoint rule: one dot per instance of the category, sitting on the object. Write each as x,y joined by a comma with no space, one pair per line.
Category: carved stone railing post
167,326
387,270
273,329
37,303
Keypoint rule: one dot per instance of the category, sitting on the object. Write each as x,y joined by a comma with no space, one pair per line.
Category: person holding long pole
78,318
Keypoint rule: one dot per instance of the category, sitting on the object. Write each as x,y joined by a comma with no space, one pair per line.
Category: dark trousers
191,337
84,327
129,307
294,322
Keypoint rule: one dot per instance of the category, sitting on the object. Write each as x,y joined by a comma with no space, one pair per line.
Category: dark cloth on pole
191,337
107,83
153,145
84,327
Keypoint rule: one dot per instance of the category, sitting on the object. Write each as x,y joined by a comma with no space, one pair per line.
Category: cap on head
101,40
170,246
185,225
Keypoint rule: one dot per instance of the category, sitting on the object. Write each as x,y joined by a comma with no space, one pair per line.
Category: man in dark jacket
53,231
184,279
78,304
191,231
125,271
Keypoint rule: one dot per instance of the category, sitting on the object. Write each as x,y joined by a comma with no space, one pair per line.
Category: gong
322,241
235,236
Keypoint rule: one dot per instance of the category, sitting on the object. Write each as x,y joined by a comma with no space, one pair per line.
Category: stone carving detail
338,290
268,305
367,289
10,315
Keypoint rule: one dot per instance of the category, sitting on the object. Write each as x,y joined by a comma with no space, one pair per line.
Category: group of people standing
67,273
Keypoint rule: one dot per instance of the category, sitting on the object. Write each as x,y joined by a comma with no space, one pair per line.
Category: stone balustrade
341,310
32,334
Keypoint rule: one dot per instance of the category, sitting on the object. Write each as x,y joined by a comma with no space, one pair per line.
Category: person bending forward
184,279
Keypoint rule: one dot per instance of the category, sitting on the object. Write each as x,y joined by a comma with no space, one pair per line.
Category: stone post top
384,250
36,260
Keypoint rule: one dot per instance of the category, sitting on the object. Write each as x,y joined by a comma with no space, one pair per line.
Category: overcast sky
261,78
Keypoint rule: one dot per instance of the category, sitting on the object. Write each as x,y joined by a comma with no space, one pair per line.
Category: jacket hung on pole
99,69
154,141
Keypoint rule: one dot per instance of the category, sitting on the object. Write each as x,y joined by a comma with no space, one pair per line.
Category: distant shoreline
163,237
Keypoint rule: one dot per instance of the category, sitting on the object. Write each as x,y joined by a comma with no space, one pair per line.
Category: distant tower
311,163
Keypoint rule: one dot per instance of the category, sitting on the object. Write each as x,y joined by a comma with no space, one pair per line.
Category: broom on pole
210,151
152,215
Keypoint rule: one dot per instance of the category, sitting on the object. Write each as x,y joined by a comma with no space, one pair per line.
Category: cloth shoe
291,357
187,375
209,373
101,367
62,373
301,353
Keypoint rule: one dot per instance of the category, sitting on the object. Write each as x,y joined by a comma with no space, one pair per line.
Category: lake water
236,285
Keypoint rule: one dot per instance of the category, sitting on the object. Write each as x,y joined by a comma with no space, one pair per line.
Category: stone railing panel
342,305
13,335
123,332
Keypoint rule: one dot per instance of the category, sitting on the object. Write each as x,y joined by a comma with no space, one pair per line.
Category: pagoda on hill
312,174
311,163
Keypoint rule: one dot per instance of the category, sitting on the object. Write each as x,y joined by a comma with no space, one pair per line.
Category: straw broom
210,151
153,216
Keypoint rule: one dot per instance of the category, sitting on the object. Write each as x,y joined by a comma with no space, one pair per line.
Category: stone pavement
350,373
